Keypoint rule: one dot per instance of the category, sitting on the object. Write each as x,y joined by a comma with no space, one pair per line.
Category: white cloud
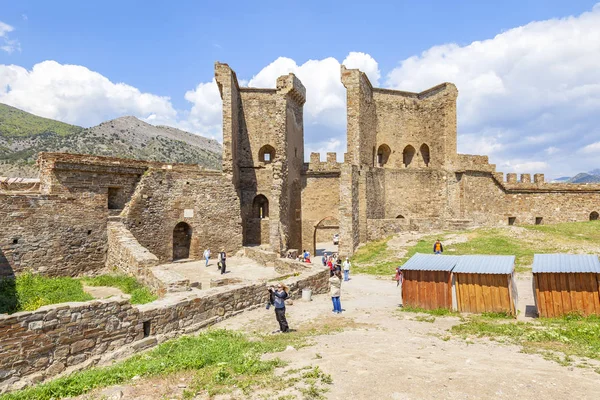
7,44
525,166
540,83
325,94
76,95
593,148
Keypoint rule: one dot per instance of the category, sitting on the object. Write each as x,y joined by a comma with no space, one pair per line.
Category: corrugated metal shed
430,262
475,264
565,263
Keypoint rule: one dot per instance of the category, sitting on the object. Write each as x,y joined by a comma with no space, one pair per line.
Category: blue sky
163,53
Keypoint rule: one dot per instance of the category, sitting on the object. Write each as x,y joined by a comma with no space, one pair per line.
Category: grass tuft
572,335
127,284
222,361
28,292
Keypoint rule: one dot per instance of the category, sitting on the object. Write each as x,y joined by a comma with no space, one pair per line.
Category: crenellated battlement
524,182
469,162
316,165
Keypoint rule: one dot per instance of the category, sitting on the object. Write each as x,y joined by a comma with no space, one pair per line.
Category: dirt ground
388,354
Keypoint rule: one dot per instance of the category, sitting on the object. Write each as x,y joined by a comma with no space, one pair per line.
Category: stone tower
263,150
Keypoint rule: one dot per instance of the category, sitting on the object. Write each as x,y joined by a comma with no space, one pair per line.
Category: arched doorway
182,238
383,155
260,207
323,236
594,216
424,150
407,155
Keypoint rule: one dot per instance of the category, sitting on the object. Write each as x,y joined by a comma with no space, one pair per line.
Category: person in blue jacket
279,295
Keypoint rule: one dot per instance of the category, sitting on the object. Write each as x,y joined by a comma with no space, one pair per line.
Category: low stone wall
270,259
60,339
381,228
128,255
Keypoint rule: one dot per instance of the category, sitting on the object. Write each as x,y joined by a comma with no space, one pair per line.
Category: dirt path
396,357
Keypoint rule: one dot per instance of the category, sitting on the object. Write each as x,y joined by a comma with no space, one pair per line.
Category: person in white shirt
347,266
207,256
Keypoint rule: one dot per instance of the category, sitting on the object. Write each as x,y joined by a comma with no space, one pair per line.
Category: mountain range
583,177
24,135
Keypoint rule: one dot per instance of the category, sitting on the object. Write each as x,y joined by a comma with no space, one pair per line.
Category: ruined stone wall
417,119
415,193
129,256
361,117
489,200
349,209
320,200
55,235
66,337
382,228
205,200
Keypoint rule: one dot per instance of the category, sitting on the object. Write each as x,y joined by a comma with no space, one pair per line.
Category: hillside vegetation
383,256
24,135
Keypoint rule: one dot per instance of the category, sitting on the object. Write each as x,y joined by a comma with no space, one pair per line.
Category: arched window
594,216
266,154
182,238
407,155
400,216
260,207
424,150
383,155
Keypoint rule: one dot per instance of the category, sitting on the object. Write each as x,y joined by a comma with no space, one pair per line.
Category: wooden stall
428,281
566,283
485,284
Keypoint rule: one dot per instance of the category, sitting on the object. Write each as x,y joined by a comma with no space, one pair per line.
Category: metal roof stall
485,284
566,283
428,281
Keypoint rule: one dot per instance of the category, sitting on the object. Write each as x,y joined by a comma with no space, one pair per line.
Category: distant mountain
583,177
24,135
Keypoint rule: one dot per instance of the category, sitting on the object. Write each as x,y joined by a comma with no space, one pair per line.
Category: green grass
375,258
29,292
571,335
222,360
127,284
438,312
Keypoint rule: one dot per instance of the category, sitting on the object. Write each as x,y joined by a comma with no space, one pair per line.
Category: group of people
279,294
334,263
303,257
221,260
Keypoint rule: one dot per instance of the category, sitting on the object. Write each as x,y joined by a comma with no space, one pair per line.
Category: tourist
223,261
207,256
279,294
399,281
437,247
338,265
330,265
335,290
347,266
306,255
324,259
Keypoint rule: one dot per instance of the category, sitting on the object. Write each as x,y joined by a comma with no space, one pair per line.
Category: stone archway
594,216
182,239
331,225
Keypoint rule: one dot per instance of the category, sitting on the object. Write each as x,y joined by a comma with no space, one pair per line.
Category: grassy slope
376,258
15,123
29,292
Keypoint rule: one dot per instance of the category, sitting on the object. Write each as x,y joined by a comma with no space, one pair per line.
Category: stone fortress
86,213
401,171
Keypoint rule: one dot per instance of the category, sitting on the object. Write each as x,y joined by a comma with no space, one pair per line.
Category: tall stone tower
263,151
